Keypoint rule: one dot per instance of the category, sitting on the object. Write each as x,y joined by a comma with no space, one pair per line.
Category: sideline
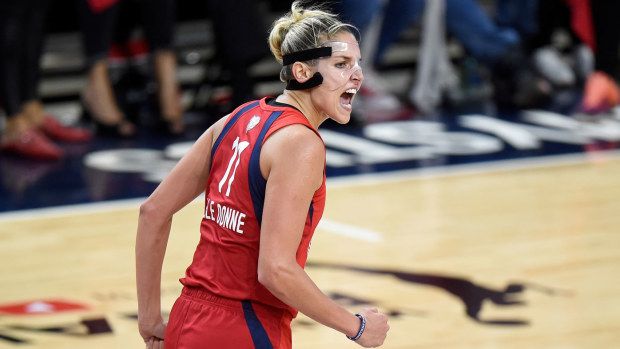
346,181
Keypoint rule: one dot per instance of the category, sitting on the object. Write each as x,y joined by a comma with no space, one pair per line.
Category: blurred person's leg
20,135
520,15
158,17
381,23
435,75
359,12
605,15
98,99
472,26
499,49
547,59
11,26
34,34
239,45
398,16
601,89
395,16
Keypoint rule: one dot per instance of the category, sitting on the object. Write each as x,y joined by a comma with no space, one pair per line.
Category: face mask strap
306,55
303,56
314,81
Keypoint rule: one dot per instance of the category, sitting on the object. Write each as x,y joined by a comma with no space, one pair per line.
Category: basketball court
513,254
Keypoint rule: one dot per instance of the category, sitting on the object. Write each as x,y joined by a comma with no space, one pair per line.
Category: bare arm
293,161
184,183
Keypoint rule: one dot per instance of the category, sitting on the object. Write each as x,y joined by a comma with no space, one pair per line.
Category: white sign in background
401,141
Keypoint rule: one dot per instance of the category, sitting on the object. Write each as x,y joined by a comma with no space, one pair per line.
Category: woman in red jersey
263,172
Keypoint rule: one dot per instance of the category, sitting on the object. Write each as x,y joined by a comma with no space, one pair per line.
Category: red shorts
200,319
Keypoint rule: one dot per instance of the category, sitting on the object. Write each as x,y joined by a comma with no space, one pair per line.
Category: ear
301,72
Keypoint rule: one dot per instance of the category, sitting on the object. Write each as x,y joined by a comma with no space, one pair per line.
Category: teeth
351,90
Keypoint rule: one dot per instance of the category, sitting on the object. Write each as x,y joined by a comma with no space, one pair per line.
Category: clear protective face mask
338,68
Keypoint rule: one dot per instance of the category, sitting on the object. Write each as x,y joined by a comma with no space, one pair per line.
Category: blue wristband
362,327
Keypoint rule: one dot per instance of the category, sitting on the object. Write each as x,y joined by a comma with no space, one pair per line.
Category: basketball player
264,169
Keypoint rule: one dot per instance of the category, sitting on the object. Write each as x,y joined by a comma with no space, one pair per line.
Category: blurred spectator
494,38
381,23
601,90
98,20
495,44
28,127
566,63
238,46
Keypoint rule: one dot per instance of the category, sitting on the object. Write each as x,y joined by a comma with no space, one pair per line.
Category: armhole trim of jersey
230,124
255,177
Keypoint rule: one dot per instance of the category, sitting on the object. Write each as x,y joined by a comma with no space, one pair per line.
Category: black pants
101,29
241,40
552,15
605,14
22,31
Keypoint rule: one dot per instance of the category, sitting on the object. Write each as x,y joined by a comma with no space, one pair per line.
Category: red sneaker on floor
55,130
33,144
601,93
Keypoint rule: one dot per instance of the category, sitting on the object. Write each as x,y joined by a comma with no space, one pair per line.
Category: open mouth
346,99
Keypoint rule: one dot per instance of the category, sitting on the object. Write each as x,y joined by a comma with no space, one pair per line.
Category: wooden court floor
508,256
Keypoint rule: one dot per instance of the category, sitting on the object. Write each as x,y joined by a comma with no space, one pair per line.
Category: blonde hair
303,28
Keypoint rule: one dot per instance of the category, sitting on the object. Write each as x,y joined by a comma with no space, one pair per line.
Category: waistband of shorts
208,296
203,295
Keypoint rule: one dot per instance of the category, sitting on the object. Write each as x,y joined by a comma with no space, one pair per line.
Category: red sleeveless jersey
226,259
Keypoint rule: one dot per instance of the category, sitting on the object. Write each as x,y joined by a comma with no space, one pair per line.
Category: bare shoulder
216,129
294,149
296,140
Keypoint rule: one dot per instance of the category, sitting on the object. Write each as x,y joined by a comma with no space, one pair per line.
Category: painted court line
474,168
347,181
350,231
